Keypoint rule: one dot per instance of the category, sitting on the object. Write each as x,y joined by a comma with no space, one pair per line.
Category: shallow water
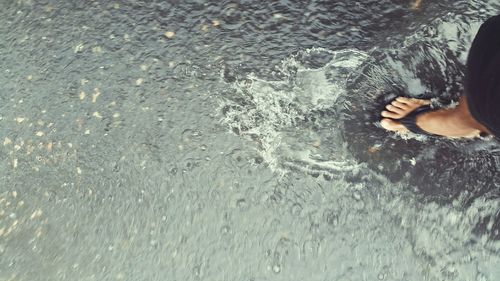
225,140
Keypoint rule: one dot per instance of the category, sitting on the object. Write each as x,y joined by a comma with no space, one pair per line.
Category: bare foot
453,122
398,109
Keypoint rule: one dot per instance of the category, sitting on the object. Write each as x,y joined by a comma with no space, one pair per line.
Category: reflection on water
208,140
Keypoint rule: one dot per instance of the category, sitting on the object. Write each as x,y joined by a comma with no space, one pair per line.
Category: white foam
273,107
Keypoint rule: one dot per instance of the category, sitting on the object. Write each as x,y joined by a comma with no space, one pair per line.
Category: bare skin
454,122
416,4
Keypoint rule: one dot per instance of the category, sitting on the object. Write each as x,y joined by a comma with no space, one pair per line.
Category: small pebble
169,34
97,50
36,214
79,48
96,94
317,143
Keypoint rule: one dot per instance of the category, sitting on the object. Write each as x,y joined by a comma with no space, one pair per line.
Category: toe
389,114
403,100
401,105
395,109
412,101
392,125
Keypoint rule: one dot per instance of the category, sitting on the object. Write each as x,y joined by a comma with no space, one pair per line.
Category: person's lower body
454,122
477,112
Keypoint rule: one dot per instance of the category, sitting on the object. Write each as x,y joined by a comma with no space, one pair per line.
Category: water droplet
276,268
242,204
356,195
225,229
197,271
296,209
331,217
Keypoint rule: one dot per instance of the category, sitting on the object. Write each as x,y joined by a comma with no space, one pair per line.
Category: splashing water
299,123
283,116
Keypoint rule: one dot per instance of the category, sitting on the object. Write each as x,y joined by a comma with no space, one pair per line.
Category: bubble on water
276,268
173,171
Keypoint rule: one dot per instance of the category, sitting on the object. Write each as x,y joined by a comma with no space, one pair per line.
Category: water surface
237,140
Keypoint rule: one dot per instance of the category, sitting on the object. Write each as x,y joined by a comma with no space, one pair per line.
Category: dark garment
482,83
